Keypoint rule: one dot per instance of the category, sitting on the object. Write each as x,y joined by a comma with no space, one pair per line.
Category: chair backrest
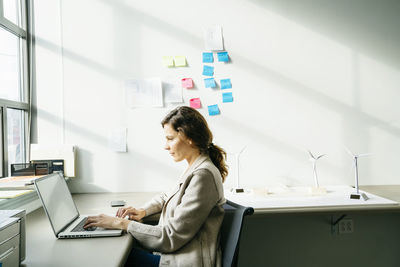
230,231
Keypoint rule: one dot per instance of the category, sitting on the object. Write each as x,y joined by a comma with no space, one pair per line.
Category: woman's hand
132,213
105,221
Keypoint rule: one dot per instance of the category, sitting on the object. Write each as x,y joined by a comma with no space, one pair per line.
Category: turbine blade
242,149
311,154
364,155
348,151
320,156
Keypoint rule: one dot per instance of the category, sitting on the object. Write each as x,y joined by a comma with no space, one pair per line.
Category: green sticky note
168,61
180,61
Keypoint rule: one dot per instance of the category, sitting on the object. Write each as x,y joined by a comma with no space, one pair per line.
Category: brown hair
191,123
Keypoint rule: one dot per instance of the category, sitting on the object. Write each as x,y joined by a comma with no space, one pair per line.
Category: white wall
312,75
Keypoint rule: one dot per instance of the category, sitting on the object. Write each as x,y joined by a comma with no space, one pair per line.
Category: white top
302,199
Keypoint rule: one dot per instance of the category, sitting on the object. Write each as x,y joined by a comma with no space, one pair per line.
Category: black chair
230,231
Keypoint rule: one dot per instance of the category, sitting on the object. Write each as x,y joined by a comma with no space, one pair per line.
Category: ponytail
218,157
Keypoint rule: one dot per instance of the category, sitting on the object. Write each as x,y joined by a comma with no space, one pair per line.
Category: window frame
26,82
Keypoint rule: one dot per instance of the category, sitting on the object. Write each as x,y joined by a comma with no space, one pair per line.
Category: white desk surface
44,249
337,199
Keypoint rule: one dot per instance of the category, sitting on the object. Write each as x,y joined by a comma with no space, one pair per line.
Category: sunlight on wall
296,86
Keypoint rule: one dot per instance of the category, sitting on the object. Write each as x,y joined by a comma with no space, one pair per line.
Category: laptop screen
57,201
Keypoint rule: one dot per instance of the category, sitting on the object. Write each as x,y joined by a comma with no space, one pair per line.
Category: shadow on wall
261,141
252,66
364,32
359,30
367,26
84,164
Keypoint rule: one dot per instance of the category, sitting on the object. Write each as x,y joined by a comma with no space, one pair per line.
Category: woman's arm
152,207
200,196
155,205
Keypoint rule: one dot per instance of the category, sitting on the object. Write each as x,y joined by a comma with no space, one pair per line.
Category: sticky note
187,83
195,103
209,83
208,57
227,97
180,61
226,83
213,38
223,56
168,61
213,110
208,70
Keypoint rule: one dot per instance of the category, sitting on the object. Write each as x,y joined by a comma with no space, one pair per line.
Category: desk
305,236
44,249
299,199
298,237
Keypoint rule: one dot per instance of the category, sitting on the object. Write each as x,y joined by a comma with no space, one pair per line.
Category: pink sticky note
187,83
195,103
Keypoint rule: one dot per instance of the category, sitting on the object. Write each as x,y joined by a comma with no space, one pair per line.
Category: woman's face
178,145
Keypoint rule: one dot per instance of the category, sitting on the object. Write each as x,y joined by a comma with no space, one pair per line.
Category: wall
318,75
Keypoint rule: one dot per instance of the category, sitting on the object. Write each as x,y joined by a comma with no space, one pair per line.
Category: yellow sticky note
168,61
180,61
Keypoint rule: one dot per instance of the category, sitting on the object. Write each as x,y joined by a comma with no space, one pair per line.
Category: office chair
230,231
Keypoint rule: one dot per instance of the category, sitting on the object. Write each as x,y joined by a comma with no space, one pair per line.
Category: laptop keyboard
79,227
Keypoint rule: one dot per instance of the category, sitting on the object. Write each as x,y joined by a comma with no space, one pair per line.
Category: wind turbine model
238,189
316,189
357,195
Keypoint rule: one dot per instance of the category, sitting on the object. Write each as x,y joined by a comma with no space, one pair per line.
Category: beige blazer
191,216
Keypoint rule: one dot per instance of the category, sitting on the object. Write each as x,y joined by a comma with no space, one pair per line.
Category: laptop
62,212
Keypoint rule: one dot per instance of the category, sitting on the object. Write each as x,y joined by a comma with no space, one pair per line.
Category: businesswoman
191,214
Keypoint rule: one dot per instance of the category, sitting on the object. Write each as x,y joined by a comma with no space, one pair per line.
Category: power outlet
346,226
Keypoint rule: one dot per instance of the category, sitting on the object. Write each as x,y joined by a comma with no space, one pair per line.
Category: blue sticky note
227,97
226,83
209,83
208,57
213,110
223,56
208,70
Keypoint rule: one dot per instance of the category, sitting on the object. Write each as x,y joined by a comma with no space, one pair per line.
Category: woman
192,213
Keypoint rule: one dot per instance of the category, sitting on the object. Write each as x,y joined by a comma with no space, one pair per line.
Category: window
14,83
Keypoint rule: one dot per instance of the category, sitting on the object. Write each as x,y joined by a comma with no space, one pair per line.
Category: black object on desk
37,167
117,203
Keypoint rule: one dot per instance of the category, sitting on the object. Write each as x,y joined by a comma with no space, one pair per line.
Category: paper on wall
144,93
227,97
213,38
209,83
117,139
195,103
226,83
208,57
180,61
223,56
168,61
213,110
187,83
172,91
208,70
